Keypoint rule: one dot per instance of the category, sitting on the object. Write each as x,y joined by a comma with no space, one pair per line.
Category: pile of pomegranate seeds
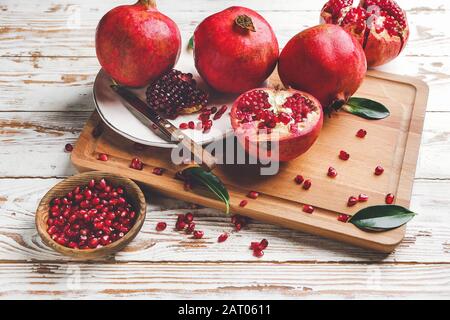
308,209
332,173
175,93
344,155
389,198
223,237
379,170
253,195
158,171
161,226
68,147
258,247
361,133
352,201
136,164
102,157
343,217
186,222
90,216
205,122
239,222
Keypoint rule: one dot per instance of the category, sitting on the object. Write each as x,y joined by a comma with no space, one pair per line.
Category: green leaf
366,108
381,218
191,43
211,181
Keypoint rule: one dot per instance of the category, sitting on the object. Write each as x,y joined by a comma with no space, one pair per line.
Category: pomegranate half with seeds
379,25
235,50
324,61
276,124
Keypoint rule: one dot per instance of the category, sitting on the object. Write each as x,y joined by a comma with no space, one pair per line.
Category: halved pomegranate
379,25
284,123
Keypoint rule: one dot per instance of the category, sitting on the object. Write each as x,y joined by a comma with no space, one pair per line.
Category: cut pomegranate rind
269,115
380,26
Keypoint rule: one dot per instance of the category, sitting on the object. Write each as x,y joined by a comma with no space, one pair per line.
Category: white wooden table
47,67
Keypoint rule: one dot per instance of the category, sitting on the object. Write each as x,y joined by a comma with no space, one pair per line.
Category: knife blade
167,129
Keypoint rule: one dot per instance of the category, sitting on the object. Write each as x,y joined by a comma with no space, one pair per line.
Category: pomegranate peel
290,120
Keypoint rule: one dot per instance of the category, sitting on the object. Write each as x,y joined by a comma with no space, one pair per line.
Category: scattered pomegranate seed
363,197
191,125
308,209
390,198
207,125
102,157
299,179
68,147
343,217
158,171
198,234
344,155
188,217
332,173
213,109
255,245
307,184
263,244
219,113
180,225
136,164
361,133
238,227
190,228
352,201
243,203
238,222
161,226
253,194
258,253
379,170
223,237
183,126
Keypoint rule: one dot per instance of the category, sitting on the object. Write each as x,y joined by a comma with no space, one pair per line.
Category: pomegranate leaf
381,218
211,181
191,43
366,108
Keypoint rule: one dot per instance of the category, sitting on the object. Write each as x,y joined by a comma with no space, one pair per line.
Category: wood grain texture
47,66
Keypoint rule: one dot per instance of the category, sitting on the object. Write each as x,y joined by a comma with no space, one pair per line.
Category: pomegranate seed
213,110
263,244
238,226
352,201
255,245
161,226
180,225
343,217
390,198
102,157
308,208
191,125
219,113
363,197
332,173
198,234
223,237
307,184
93,243
344,155
379,170
158,171
136,164
299,179
361,133
258,253
243,203
253,195
190,228
188,217
68,147
183,125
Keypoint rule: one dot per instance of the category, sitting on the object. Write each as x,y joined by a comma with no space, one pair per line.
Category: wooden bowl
134,196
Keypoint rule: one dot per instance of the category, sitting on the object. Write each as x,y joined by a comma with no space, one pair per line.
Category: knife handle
206,159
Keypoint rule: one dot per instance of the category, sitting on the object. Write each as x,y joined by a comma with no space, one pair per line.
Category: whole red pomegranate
380,26
235,50
324,61
276,124
136,43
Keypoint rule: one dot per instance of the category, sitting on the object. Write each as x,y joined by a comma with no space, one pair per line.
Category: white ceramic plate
120,119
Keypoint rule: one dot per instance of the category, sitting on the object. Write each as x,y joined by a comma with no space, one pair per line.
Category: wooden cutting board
392,142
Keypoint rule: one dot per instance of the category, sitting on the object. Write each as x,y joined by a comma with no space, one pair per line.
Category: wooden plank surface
47,66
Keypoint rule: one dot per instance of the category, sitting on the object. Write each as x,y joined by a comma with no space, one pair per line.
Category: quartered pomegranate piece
379,25
291,118
176,93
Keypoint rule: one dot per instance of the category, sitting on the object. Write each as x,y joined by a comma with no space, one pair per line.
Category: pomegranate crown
151,4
